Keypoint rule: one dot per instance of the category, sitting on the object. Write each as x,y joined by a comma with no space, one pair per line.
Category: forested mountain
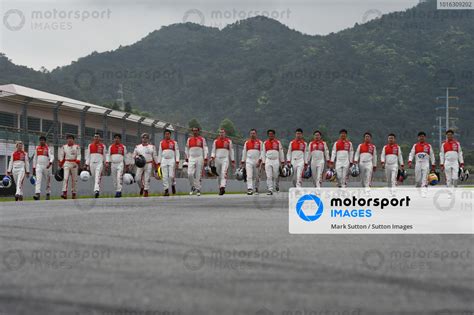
381,76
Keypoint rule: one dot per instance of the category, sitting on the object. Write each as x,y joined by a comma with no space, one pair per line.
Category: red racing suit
451,158
423,153
70,159
95,159
116,159
222,152
366,156
273,156
318,156
42,161
297,155
342,154
19,165
393,159
251,156
168,157
196,152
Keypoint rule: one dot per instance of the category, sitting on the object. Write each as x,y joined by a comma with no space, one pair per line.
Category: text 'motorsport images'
235,157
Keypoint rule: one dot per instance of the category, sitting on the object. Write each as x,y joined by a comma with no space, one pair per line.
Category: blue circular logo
318,205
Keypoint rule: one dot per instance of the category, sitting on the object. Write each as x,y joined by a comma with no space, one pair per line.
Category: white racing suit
95,159
319,155
273,156
297,155
19,165
366,156
168,156
116,160
393,159
42,162
196,152
70,159
143,175
342,154
451,157
222,149
251,156
423,154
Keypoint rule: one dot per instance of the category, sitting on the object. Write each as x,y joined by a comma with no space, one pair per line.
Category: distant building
26,113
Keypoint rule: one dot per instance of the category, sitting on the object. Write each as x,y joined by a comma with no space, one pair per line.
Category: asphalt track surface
217,255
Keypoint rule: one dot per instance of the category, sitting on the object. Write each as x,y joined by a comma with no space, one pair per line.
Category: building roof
10,90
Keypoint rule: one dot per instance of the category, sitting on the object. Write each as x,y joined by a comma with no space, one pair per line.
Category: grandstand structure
27,113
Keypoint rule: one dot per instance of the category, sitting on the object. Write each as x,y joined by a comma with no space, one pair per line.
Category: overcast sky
54,33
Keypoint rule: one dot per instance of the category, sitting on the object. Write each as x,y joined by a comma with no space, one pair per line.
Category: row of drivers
307,160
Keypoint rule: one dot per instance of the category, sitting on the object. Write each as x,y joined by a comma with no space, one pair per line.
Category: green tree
194,123
229,128
140,113
115,106
128,107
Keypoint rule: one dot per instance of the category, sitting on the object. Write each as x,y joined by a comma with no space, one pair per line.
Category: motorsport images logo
315,205
310,207
381,210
